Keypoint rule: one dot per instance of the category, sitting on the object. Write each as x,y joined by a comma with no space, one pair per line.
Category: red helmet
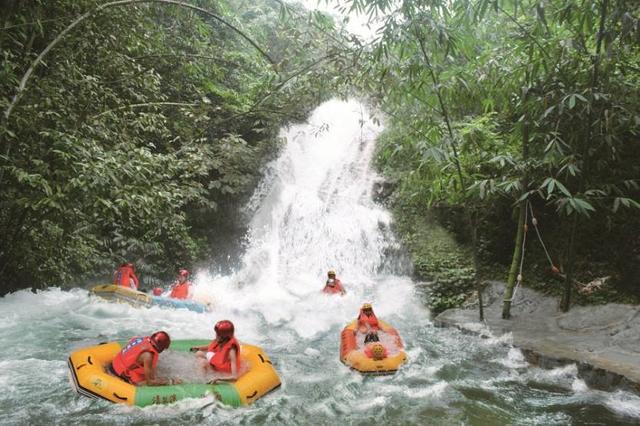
160,340
183,273
224,328
157,291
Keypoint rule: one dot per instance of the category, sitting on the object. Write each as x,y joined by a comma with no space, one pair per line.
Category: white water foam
624,403
312,213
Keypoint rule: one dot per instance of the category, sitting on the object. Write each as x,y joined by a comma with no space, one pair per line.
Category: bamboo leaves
538,96
150,124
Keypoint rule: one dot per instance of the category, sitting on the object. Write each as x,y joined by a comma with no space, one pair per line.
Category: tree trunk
473,221
515,261
565,302
522,208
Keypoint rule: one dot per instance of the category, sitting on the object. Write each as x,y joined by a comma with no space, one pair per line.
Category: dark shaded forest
135,130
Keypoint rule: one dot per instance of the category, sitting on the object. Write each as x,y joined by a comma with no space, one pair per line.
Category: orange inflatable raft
353,356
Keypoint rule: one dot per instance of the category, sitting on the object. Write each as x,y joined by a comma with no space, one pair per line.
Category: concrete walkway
603,340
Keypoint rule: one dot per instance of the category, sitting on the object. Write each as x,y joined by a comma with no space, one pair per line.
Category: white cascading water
313,212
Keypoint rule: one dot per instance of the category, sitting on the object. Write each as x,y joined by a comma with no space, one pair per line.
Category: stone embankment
604,341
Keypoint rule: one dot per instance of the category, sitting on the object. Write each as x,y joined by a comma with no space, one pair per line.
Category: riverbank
604,341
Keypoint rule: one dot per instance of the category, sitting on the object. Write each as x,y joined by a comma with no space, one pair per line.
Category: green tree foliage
514,100
134,129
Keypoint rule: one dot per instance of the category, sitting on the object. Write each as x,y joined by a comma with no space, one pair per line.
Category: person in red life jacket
376,351
367,321
333,285
180,289
222,355
125,276
136,363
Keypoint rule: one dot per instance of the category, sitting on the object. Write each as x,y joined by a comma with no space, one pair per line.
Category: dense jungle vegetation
135,130
505,109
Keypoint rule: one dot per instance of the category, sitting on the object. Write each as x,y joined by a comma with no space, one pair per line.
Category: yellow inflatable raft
90,378
136,298
355,358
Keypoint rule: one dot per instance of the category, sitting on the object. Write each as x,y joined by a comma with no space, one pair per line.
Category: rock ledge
604,341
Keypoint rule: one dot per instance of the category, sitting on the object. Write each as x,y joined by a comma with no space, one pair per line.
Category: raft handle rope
122,398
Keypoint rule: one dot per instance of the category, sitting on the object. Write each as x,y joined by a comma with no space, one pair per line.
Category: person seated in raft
333,285
376,351
367,320
125,276
136,363
222,355
180,288
371,337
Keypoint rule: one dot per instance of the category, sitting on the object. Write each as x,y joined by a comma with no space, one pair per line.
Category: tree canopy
513,101
132,130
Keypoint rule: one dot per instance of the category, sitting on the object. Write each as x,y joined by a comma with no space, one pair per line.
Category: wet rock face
628,337
382,190
592,318
603,341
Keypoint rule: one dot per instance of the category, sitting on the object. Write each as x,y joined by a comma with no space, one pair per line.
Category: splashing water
313,212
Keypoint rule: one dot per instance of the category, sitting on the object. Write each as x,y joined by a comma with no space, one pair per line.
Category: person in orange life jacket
125,276
180,289
136,363
368,324
222,354
376,351
333,285
371,337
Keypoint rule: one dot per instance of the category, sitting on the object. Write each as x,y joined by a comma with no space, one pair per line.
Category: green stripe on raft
149,395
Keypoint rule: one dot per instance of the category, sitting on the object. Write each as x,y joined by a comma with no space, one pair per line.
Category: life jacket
369,352
334,287
180,290
371,320
220,360
124,277
126,364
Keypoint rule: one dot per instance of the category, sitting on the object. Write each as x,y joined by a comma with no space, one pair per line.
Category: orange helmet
160,340
224,328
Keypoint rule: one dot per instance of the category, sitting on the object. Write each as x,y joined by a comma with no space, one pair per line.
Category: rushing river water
313,212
